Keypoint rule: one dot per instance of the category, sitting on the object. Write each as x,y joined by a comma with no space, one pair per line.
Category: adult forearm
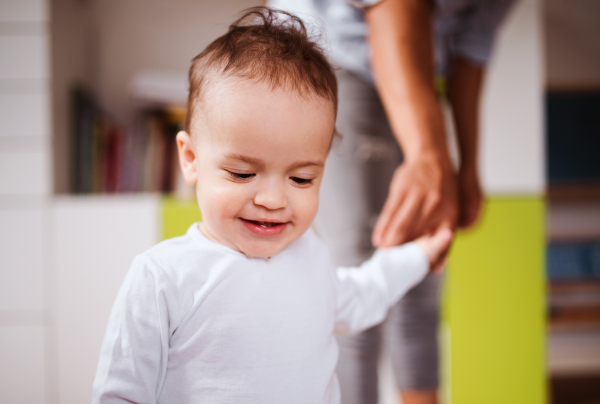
400,38
422,194
464,89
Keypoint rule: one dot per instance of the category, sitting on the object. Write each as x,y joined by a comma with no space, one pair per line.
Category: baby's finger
441,240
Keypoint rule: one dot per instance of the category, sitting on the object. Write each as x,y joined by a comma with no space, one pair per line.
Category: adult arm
472,46
464,88
422,195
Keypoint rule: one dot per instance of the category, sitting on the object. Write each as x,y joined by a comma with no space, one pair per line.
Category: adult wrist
468,168
430,156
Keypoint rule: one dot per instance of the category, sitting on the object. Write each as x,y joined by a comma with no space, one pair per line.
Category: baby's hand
436,247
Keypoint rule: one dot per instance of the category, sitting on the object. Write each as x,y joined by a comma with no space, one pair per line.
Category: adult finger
392,204
403,222
431,210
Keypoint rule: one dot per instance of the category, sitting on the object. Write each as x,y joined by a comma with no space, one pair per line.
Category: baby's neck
209,235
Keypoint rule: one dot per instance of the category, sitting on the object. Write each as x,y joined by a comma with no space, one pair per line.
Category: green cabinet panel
493,321
177,216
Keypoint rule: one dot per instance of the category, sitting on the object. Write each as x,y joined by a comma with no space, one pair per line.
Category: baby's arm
365,294
133,357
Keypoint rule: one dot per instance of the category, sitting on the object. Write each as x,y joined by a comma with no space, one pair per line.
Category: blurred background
92,93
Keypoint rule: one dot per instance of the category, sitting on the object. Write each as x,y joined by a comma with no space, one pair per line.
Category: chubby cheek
306,206
220,202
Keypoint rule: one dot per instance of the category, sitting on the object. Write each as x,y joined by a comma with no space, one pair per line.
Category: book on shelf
112,158
575,260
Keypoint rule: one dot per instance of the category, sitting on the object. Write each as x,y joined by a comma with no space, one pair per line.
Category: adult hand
470,197
422,195
422,198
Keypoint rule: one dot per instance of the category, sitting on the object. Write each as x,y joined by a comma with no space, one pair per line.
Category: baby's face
257,157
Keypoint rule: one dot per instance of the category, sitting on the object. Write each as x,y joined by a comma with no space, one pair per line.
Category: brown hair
264,44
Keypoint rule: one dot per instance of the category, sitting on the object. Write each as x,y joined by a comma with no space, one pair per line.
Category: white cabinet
94,241
21,248
22,364
25,173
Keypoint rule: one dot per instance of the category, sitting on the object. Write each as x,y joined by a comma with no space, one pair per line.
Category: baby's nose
271,196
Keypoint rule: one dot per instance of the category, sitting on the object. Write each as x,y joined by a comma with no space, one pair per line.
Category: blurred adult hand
464,89
422,195
470,198
422,199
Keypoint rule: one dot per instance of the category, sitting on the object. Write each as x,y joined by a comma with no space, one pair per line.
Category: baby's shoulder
310,246
181,260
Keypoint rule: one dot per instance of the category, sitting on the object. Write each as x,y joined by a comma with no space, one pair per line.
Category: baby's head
261,117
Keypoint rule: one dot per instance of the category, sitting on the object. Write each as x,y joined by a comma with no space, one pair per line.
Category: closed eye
240,176
301,181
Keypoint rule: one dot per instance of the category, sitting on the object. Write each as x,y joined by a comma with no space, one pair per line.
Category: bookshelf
573,169
573,194
110,158
573,254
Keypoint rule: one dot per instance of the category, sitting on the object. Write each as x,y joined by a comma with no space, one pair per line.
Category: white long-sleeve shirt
198,322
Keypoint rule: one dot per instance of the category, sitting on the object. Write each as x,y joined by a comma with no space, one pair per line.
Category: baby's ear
187,157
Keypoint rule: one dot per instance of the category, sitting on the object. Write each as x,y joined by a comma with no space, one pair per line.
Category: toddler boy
243,308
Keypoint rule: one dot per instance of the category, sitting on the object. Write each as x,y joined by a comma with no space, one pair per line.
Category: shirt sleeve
366,293
133,357
475,39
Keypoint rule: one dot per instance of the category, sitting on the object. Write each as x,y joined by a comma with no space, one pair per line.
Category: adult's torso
343,24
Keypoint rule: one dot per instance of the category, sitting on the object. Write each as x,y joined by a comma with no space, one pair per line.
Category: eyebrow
308,163
260,162
246,159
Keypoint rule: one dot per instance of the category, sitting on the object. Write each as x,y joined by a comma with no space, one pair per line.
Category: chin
262,251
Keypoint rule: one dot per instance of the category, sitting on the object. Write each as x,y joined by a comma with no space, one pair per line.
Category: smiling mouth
264,228
264,224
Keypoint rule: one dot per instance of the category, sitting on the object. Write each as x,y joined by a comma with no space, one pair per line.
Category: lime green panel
493,321
177,216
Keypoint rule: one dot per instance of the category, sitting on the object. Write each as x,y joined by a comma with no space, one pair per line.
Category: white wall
25,184
133,35
512,160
